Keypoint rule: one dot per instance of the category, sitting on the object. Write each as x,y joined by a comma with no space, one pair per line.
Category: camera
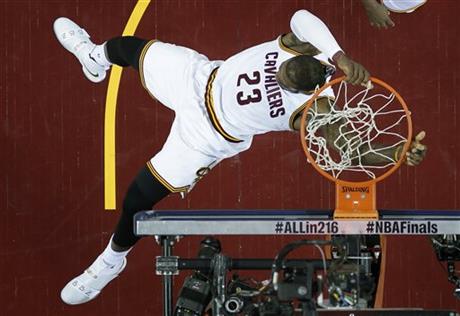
447,248
195,294
295,286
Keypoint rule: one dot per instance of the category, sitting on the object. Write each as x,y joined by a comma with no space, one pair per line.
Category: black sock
125,50
143,193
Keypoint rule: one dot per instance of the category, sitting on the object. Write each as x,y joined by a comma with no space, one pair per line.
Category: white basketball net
359,131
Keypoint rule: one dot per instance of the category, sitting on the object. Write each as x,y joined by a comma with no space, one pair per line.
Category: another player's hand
378,14
355,73
417,150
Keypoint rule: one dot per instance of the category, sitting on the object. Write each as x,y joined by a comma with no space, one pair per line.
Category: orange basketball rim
357,199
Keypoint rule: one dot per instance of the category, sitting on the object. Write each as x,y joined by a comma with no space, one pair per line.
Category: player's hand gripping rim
355,73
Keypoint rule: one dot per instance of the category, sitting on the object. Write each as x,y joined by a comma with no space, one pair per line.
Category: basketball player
219,106
378,12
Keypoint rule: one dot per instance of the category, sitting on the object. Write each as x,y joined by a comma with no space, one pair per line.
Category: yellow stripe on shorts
209,101
164,182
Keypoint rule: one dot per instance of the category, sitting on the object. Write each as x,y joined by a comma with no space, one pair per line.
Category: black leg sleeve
143,193
125,50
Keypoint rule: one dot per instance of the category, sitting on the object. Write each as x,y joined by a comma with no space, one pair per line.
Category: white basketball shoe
76,40
90,283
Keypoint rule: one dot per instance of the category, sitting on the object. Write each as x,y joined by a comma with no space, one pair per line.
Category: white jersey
246,99
218,105
403,6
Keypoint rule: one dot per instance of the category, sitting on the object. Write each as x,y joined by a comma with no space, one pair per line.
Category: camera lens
233,305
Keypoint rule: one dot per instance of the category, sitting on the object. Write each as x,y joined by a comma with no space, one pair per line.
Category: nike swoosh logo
92,73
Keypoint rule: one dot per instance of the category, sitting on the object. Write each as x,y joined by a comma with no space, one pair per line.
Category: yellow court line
110,194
